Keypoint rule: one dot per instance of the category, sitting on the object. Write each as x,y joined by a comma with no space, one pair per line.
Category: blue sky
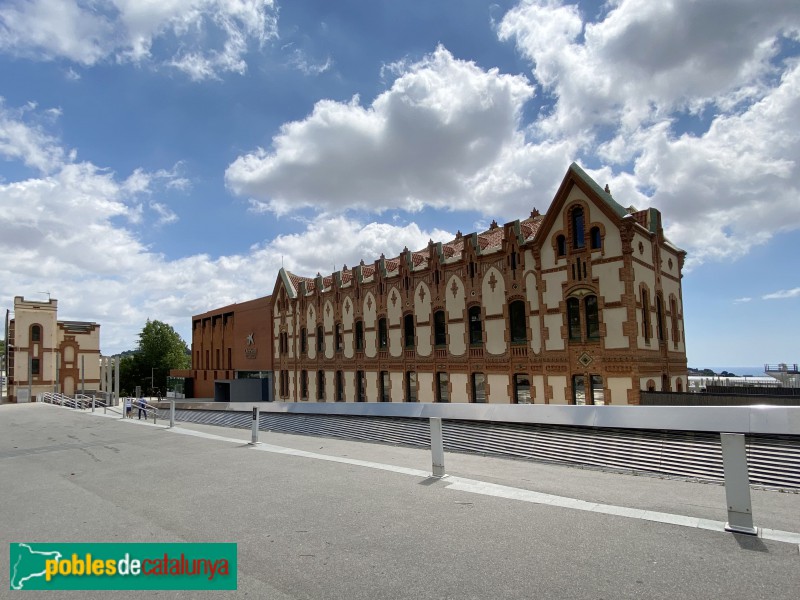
162,158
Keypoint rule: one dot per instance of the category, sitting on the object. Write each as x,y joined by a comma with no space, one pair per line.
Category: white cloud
126,30
446,134
639,70
76,231
742,300
783,294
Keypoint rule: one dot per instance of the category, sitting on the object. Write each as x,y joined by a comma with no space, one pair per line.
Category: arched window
478,387
304,384
411,386
516,322
561,245
359,335
594,236
320,385
645,316
320,339
659,318
442,389
303,340
408,330
475,326
439,329
339,386
574,318
36,333
361,387
592,318
383,334
578,228
522,389
339,343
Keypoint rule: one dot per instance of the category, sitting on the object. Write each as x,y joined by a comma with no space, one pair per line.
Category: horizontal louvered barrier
774,460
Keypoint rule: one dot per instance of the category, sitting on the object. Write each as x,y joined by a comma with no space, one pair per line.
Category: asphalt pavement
327,518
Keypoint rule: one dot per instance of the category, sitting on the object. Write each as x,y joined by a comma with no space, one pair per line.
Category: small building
231,347
581,305
49,355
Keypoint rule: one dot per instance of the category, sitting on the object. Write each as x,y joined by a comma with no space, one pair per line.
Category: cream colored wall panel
425,389
347,313
458,387
368,310
647,254
493,291
537,389
424,347
530,290
619,386
457,333
349,345
552,292
398,389
536,334
455,302
559,385
614,318
422,303
370,344
495,333
552,332
498,389
611,288
395,342
394,306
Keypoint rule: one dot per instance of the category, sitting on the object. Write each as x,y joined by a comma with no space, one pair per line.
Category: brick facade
582,304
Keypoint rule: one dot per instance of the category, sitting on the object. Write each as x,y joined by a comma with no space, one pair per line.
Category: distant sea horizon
739,371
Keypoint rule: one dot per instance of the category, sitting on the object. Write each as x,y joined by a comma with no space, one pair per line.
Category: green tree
160,349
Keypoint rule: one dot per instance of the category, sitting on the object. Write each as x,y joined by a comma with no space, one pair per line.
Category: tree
160,349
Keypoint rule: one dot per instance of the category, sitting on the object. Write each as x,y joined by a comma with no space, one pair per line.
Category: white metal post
172,413
92,402
737,484
437,447
254,438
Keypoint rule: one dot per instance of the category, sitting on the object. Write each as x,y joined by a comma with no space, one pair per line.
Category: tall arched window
561,245
408,330
320,339
439,329
574,318
36,333
659,318
592,318
339,342
578,228
339,386
516,322
645,315
303,340
594,237
475,326
359,335
383,334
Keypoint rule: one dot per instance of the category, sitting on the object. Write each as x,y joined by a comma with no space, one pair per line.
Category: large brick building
228,344
579,305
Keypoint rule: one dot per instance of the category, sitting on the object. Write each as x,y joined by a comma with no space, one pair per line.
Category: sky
161,158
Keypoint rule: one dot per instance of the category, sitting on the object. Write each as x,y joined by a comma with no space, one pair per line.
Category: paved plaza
326,518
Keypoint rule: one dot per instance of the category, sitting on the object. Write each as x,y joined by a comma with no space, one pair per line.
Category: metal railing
137,404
